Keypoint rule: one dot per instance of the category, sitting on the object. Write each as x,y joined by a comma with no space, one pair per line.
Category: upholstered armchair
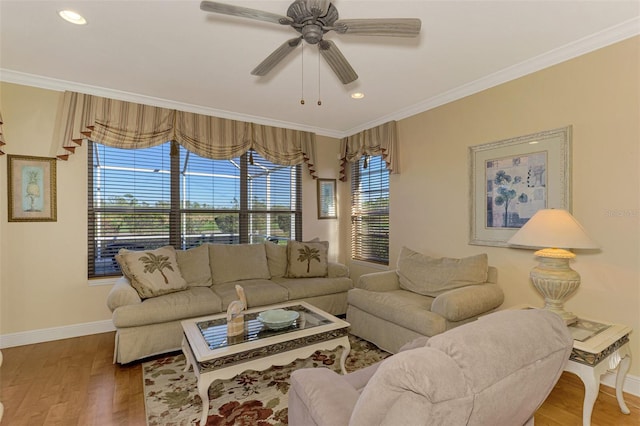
424,296
497,370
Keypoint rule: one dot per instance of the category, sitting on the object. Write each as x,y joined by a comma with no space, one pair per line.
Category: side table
592,356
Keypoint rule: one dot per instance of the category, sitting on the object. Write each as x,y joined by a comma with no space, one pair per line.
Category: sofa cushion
307,259
276,259
189,303
152,272
258,292
235,262
301,288
431,276
404,308
194,266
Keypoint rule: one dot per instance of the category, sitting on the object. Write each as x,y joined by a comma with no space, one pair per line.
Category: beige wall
43,272
327,167
599,95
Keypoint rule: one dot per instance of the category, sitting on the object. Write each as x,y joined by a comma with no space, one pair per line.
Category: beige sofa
147,319
424,296
495,371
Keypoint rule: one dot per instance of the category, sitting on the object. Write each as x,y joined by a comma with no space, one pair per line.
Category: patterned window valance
129,125
2,141
381,140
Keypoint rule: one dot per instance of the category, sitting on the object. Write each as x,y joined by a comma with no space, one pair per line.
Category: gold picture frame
31,189
327,205
513,178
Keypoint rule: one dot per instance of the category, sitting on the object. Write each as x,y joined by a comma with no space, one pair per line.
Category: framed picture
514,178
327,206
32,189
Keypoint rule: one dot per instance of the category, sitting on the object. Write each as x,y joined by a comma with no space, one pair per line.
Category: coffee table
215,356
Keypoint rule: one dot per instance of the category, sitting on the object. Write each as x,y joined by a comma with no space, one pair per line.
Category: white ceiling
170,53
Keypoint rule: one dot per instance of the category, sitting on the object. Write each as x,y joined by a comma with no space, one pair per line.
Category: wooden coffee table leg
345,353
187,354
203,391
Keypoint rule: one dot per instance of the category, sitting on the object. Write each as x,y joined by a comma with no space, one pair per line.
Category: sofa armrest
379,281
467,302
337,270
122,294
319,396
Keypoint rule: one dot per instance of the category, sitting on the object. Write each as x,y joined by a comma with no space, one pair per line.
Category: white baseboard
631,384
54,333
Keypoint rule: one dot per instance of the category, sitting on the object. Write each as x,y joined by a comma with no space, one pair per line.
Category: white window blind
146,198
370,210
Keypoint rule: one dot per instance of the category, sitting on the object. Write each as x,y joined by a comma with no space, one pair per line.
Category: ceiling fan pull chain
319,92
302,77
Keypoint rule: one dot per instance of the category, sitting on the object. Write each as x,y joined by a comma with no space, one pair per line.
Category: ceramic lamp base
556,281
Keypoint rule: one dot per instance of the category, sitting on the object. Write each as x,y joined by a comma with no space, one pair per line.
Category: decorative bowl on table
276,319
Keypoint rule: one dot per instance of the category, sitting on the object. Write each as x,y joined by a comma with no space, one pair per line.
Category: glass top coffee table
216,356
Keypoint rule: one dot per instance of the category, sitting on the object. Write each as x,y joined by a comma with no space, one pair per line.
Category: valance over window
381,140
129,125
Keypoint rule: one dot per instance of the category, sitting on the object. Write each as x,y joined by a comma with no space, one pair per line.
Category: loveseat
423,296
497,370
160,288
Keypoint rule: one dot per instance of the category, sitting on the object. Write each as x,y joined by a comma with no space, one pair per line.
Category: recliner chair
495,371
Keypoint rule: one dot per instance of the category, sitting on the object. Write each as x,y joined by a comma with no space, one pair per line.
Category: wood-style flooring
74,382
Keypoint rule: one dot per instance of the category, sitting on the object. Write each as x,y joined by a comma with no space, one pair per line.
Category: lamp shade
554,228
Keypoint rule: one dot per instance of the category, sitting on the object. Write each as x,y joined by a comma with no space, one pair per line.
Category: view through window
370,210
146,198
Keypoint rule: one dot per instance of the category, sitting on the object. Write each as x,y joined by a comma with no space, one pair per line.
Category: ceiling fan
312,19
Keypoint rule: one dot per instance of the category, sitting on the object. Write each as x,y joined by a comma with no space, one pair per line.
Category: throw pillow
277,259
431,276
194,266
152,272
235,262
307,259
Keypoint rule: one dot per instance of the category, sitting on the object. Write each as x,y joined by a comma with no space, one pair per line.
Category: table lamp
555,231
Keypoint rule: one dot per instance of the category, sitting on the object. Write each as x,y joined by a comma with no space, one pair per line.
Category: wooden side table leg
590,377
623,368
591,389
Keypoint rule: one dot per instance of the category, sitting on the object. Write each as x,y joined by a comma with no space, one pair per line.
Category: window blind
370,210
146,198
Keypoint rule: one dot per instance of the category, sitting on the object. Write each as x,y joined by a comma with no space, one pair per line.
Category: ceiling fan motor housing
309,23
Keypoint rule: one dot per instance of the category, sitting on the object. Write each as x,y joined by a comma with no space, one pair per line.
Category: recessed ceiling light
357,95
73,17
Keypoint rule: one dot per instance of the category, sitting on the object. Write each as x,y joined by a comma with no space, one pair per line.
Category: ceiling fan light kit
312,19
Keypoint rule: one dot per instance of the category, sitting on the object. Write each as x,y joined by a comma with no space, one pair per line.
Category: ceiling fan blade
394,27
278,55
337,61
318,7
243,12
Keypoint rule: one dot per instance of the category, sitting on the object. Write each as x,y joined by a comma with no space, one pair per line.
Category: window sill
370,265
95,282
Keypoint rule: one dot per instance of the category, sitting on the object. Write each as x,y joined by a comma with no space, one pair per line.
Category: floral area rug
251,398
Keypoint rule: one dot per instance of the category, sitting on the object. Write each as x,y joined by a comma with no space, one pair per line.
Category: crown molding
572,50
585,45
17,77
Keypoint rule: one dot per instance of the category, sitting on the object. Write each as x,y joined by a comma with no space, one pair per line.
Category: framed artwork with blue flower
514,178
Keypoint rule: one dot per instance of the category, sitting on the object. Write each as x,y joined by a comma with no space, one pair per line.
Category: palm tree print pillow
152,272
307,259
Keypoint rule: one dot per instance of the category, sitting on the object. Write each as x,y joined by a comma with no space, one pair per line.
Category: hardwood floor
74,382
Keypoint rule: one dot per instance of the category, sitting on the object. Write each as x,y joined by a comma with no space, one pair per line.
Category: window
146,198
370,210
